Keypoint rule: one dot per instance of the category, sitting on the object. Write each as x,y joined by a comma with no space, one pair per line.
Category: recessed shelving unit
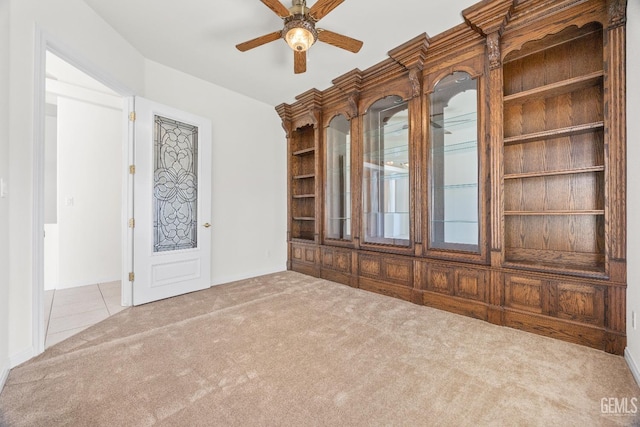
554,187
303,184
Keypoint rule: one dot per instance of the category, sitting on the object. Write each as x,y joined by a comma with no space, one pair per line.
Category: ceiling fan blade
338,40
277,8
320,9
299,61
259,41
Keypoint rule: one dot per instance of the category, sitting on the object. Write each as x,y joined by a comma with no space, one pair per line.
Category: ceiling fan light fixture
299,34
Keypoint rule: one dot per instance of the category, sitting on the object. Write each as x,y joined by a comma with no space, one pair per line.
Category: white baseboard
242,276
21,357
4,374
633,366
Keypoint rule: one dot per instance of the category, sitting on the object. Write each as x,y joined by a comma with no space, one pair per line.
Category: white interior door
172,202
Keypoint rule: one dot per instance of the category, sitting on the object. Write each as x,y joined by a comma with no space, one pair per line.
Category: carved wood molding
284,111
412,53
415,77
350,84
617,13
493,50
353,99
488,17
314,115
312,101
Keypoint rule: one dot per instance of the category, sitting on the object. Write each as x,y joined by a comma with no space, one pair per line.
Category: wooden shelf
304,196
304,151
303,218
304,238
305,176
554,212
590,169
558,88
554,133
561,267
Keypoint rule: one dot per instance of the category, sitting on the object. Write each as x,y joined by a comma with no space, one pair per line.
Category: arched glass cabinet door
385,186
454,164
338,179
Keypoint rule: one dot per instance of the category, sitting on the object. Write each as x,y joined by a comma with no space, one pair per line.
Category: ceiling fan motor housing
299,7
299,32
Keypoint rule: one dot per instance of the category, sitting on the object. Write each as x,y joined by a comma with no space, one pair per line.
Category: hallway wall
4,202
89,193
76,27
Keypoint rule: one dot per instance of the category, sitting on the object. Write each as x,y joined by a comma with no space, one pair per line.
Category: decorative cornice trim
488,16
413,53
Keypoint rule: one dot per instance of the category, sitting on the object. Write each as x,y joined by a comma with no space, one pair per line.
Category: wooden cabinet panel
384,268
439,279
370,266
335,259
337,265
399,271
304,253
310,255
582,303
453,280
305,259
296,253
524,293
470,284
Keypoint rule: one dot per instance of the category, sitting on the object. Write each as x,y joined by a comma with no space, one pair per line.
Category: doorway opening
83,185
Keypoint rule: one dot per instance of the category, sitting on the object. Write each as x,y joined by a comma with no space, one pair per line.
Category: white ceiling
198,37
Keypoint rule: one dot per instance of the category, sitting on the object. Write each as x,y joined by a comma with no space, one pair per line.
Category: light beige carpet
292,350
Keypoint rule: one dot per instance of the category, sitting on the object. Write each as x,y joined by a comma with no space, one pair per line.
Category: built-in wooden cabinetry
479,171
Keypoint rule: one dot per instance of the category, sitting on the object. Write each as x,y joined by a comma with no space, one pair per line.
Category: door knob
206,225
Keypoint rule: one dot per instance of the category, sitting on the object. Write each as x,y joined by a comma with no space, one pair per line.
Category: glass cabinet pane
385,186
454,164
338,179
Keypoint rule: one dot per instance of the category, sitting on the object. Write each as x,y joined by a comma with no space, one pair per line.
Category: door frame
46,42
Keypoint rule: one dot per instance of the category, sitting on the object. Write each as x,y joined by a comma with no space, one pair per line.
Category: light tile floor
69,311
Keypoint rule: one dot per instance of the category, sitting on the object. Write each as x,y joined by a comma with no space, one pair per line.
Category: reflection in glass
338,179
175,185
385,186
454,163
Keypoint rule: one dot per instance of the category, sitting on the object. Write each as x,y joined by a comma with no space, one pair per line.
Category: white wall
249,165
73,24
4,202
51,164
633,186
249,172
89,193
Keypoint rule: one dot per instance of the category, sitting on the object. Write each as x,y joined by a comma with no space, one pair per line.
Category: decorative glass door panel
338,179
386,197
175,185
171,191
454,164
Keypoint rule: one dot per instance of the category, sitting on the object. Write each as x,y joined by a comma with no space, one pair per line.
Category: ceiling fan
300,30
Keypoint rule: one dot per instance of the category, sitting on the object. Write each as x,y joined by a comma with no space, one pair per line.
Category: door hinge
132,116
132,223
131,276
132,169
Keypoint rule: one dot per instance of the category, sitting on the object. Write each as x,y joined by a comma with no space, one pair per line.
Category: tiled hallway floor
69,311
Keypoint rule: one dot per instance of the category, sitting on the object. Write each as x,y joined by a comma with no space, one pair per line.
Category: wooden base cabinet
480,171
